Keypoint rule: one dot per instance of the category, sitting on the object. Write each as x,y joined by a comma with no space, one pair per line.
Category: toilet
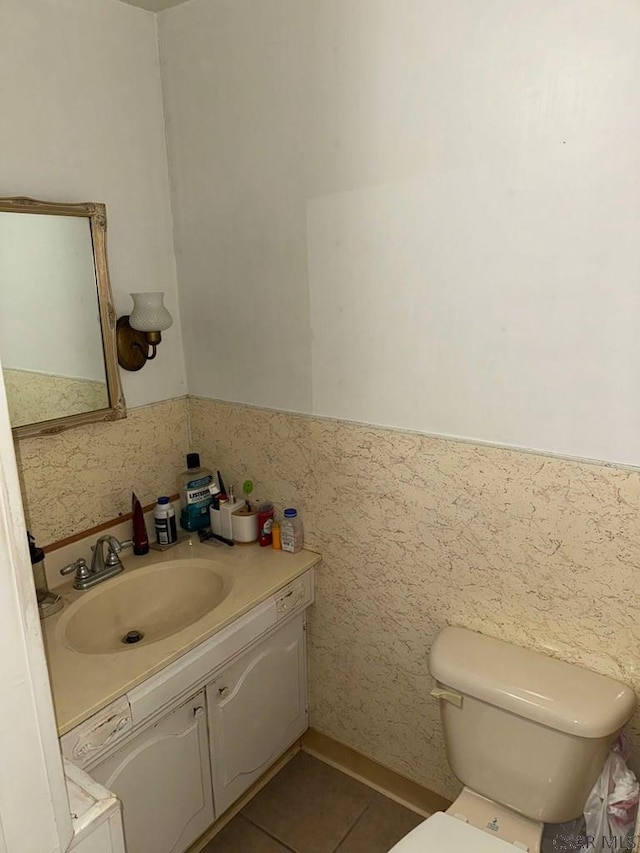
527,735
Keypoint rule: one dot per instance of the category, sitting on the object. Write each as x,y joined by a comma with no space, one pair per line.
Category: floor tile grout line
267,833
352,827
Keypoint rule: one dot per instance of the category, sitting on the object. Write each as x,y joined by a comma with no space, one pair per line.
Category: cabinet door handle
222,692
198,712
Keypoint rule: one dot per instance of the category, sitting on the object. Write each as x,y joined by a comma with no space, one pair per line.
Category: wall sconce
141,329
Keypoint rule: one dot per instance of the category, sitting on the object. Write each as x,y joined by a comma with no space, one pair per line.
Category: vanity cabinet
106,838
96,814
162,777
257,708
181,747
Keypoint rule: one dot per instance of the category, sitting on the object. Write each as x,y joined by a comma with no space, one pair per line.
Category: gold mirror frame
96,213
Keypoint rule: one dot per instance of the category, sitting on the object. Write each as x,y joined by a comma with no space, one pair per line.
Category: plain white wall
417,213
234,103
81,120
49,316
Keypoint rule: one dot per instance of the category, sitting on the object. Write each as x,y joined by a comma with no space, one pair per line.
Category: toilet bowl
526,734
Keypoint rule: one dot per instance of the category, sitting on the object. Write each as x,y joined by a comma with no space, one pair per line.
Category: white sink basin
147,604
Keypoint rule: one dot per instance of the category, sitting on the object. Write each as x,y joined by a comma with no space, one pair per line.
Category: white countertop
84,683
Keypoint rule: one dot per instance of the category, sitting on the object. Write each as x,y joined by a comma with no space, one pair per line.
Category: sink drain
132,637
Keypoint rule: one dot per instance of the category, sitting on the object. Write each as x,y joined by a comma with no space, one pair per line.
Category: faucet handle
113,552
80,567
116,545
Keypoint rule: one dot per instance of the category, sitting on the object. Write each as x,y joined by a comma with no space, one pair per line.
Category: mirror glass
54,307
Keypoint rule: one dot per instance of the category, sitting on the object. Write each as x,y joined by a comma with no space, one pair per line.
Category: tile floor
310,807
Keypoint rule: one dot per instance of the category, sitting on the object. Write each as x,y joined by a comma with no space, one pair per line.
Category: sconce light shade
136,332
149,313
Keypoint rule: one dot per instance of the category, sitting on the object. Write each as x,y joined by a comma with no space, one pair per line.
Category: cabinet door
257,708
163,778
105,838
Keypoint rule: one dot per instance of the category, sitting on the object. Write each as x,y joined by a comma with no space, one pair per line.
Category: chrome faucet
99,563
103,566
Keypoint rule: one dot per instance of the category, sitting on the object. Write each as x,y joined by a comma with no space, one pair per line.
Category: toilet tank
521,728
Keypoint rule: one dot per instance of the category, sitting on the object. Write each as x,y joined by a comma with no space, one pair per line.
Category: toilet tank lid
531,684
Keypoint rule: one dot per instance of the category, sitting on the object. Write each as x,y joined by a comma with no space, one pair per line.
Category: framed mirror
57,320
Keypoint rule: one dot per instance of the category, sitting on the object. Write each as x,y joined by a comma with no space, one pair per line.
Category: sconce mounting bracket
133,345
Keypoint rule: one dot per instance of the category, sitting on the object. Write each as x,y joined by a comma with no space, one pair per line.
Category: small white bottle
291,531
164,519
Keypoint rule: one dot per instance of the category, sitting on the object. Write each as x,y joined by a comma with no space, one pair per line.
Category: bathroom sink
143,606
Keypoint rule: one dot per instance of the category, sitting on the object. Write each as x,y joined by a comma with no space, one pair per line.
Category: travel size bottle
291,531
164,518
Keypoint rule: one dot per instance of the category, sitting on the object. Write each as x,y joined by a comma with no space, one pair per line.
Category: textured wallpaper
415,532
419,532
35,397
84,476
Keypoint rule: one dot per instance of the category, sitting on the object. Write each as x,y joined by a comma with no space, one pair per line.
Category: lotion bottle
140,536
